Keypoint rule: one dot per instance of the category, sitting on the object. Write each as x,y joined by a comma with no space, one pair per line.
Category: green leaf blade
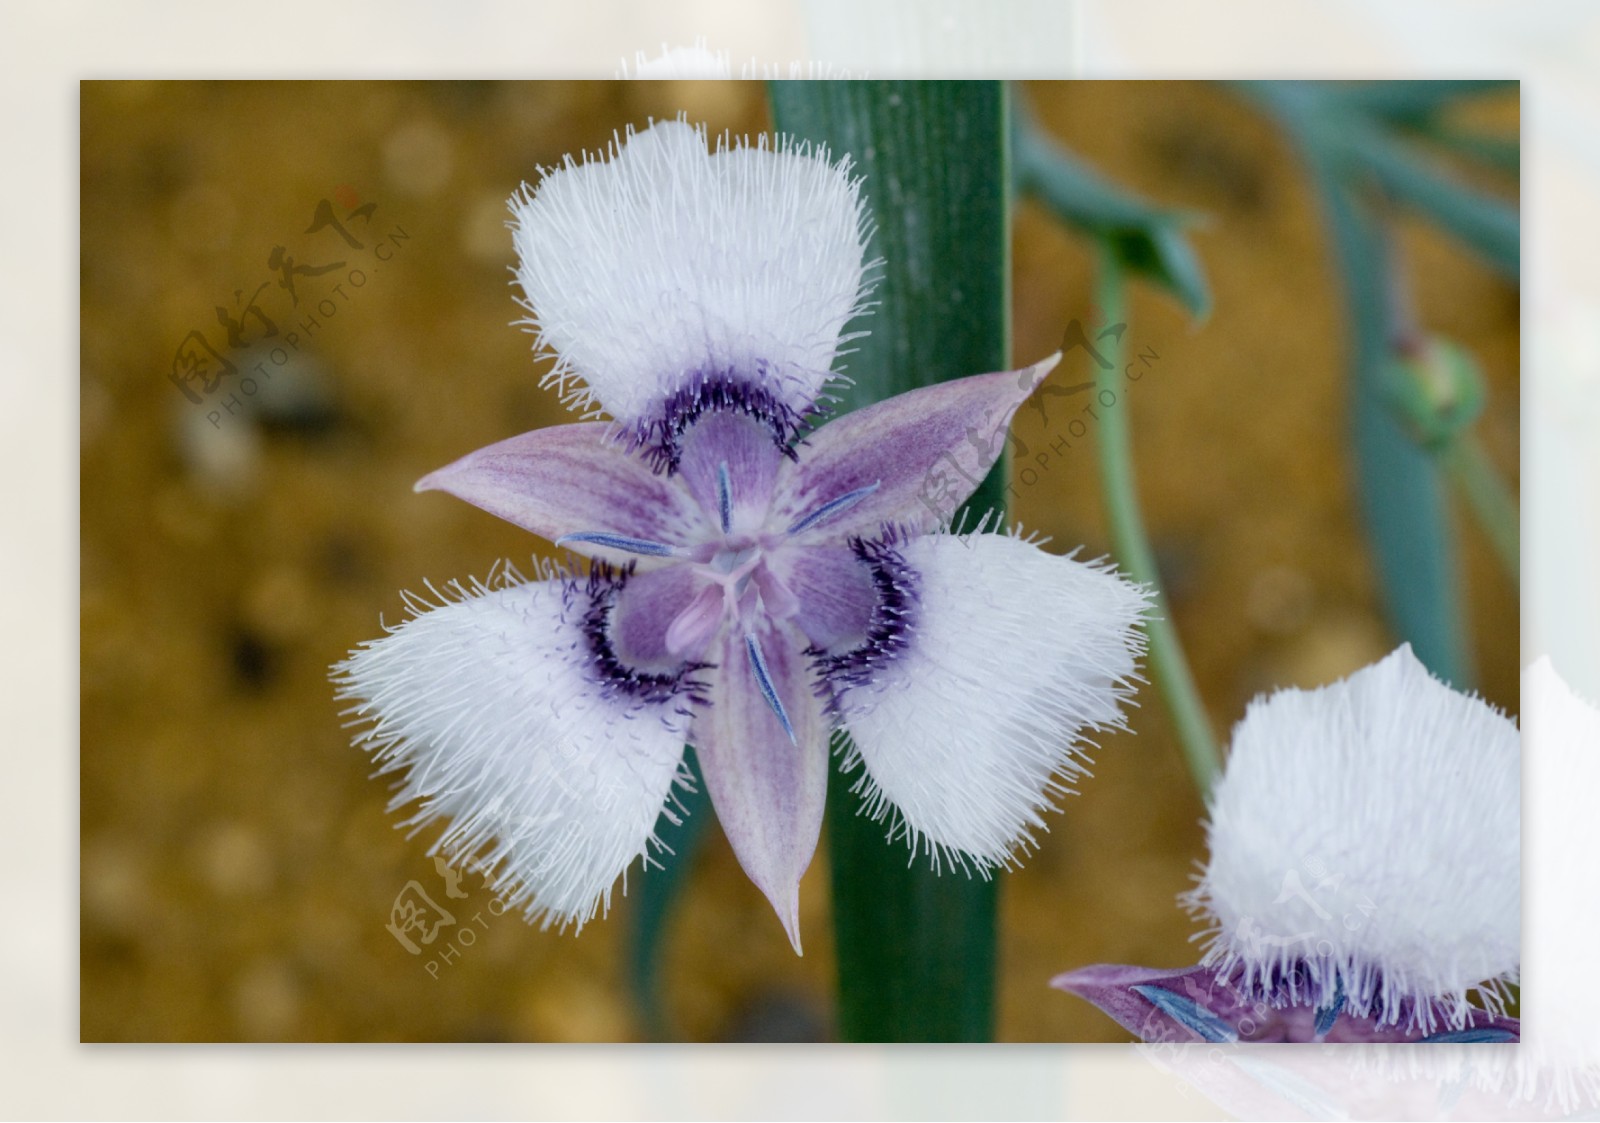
1402,493
916,949
656,891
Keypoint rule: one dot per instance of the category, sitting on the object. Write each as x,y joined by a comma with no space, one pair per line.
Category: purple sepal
572,482
1196,1004
909,460
763,748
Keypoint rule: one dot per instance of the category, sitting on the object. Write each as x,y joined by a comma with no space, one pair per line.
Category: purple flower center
748,567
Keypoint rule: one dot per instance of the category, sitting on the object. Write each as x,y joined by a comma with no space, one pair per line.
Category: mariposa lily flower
1364,878
756,582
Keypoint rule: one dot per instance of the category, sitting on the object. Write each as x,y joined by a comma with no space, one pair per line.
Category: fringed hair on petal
646,265
878,807
988,715
1365,849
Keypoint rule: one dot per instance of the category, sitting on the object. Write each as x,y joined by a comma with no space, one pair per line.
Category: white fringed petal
972,731
665,262
696,61
1369,831
1559,1058
488,702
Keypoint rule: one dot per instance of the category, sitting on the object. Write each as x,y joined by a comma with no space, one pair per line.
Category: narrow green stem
1489,498
1132,546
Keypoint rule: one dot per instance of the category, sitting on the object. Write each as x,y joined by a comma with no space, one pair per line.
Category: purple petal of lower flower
1196,1004
768,791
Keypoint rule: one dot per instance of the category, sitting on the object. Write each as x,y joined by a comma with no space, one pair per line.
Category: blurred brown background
238,866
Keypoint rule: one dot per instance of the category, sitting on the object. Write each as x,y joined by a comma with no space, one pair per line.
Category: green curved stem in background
1132,546
1490,499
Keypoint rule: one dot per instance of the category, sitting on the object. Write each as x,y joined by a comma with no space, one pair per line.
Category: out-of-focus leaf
1357,147
1501,153
1409,102
1403,497
1149,241
1491,500
1489,226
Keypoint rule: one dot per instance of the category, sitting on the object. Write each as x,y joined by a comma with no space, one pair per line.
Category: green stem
916,949
1489,497
1132,546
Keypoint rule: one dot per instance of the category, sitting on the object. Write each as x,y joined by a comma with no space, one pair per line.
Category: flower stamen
833,507
725,497
641,546
758,663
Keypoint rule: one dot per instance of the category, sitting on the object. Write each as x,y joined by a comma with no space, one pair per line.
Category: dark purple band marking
596,597
888,632
661,438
